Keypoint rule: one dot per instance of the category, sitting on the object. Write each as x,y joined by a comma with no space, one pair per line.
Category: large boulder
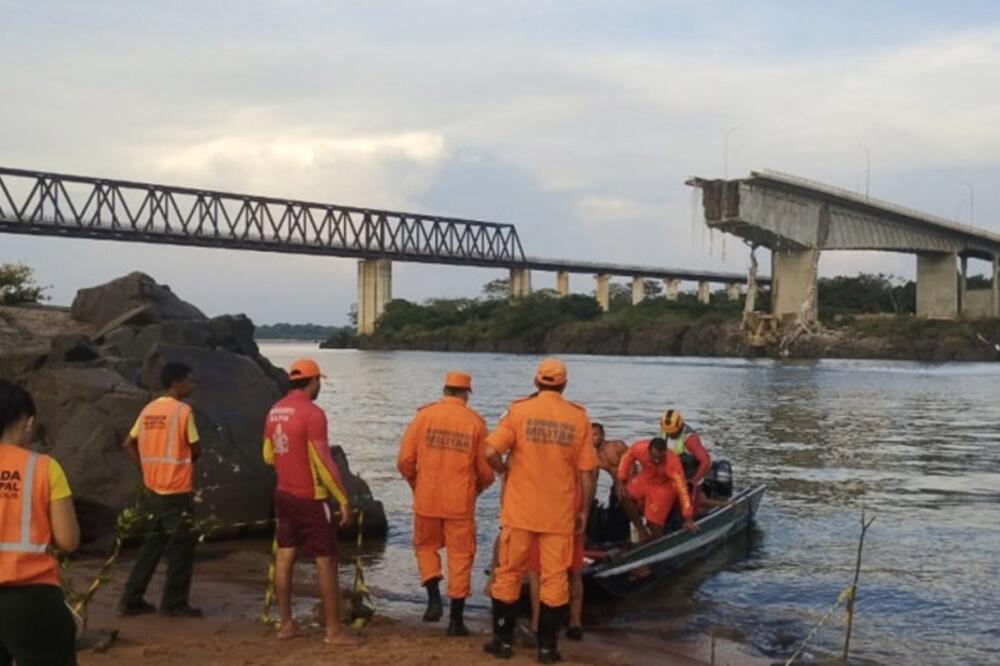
91,371
84,415
136,296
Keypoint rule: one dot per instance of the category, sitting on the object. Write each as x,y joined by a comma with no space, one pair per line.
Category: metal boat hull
629,571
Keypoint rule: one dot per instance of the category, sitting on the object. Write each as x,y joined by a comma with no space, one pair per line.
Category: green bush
17,285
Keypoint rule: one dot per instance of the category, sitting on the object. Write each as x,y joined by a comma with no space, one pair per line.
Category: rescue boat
624,570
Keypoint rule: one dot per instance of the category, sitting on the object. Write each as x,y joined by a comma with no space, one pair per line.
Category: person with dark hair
658,484
297,444
164,443
547,495
442,457
36,512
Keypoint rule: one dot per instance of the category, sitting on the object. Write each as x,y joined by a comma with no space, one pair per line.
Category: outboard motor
718,483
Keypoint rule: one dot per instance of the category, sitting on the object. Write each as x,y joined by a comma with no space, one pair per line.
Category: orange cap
551,372
459,380
304,368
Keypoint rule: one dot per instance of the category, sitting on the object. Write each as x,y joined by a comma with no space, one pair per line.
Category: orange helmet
671,422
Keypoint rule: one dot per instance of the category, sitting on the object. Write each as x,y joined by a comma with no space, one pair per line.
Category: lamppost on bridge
868,167
725,150
972,203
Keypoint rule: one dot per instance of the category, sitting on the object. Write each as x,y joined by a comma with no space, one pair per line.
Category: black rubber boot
456,625
434,608
504,618
549,622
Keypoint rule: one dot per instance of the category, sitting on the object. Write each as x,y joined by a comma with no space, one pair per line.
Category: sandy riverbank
229,581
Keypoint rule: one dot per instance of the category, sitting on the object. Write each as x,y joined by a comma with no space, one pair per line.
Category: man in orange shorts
658,484
441,456
551,460
296,444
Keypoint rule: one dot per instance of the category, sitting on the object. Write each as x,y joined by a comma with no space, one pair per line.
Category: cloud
575,122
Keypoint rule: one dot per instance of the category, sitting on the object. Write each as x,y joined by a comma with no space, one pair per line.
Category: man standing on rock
296,443
548,491
442,457
164,442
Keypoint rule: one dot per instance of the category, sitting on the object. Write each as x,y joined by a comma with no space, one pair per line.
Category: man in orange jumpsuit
551,459
658,484
686,443
442,457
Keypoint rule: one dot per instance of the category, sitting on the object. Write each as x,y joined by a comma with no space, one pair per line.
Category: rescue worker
442,457
296,444
686,443
164,443
36,512
658,484
551,460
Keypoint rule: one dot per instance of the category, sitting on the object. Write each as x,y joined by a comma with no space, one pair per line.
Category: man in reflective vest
547,494
36,511
686,443
657,485
442,457
296,442
164,442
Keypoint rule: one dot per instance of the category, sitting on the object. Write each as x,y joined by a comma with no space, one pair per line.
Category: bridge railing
35,202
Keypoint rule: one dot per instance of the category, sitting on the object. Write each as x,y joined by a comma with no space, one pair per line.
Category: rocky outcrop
92,368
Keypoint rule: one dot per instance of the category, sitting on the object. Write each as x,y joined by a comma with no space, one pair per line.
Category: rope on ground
841,598
265,613
125,528
362,604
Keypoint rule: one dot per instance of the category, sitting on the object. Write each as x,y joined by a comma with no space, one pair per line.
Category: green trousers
36,628
168,526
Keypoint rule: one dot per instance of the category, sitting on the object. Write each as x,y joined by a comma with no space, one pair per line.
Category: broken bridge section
797,219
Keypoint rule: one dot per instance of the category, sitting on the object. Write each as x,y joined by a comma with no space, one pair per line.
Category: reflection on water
919,445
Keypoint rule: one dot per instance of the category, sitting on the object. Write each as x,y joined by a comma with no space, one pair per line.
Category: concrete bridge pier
996,285
733,291
704,295
638,290
793,284
520,282
937,291
374,291
562,284
601,292
673,288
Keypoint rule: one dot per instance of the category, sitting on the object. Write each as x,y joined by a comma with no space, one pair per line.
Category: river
915,445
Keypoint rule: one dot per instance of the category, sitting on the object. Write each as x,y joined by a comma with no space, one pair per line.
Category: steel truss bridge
54,204
33,202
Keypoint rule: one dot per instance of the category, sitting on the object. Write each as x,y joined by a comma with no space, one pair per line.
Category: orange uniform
29,483
655,487
441,456
549,440
165,431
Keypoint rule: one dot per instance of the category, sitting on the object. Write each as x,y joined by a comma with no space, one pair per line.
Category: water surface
916,445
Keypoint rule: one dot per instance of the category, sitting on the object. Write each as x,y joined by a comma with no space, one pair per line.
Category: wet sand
229,584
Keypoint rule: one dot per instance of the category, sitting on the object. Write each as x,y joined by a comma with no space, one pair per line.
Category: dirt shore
229,581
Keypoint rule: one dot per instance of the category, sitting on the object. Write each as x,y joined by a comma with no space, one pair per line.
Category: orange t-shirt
550,443
442,457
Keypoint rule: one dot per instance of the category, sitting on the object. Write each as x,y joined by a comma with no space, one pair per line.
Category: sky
578,121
